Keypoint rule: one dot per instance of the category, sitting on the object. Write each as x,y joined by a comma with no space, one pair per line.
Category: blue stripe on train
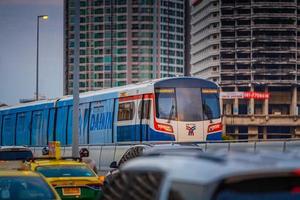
214,136
132,133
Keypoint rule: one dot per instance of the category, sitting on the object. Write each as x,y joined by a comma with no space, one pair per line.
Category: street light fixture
44,17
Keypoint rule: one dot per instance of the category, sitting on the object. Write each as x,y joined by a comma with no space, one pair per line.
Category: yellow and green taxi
70,178
21,185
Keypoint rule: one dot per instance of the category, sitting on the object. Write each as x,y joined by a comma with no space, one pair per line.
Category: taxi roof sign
54,149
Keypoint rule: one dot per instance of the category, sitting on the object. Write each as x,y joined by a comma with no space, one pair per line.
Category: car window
185,191
15,155
65,171
134,186
21,188
274,188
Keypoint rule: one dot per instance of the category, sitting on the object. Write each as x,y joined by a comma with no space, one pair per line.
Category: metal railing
104,154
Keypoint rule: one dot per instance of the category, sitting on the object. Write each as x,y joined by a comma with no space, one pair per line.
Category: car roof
4,173
157,149
47,162
171,149
162,148
208,167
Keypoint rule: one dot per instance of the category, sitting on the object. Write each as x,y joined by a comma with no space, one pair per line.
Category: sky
18,27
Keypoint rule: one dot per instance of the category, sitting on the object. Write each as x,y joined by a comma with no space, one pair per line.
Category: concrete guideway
105,154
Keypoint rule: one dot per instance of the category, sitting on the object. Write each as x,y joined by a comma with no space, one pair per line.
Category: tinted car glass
185,191
274,188
65,171
25,188
15,155
133,186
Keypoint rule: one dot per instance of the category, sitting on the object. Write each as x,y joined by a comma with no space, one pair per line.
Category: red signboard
256,95
245,95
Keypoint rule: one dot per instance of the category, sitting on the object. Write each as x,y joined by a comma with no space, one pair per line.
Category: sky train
171,109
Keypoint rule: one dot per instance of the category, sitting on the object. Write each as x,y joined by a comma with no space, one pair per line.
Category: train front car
187,110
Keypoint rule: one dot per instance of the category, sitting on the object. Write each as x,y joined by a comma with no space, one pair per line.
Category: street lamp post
44,17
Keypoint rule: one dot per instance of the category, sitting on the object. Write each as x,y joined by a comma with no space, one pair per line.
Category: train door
39,127
126,130
8,129
101,122
143,118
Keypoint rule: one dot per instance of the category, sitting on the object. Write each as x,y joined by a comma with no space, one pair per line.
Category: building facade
124,41
251,46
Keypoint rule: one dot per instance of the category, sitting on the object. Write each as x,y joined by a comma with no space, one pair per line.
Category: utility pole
75,148
44,17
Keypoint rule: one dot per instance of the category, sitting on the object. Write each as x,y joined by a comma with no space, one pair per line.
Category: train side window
146,109
126,111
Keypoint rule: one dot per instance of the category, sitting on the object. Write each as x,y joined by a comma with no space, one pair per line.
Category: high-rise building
251,46
124,41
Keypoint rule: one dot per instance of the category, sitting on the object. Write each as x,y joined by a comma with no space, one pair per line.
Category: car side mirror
113,165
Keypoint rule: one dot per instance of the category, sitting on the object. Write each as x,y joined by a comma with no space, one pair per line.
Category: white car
216,176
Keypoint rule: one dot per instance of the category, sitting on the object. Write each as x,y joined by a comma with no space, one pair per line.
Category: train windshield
166,103
211,104
187,104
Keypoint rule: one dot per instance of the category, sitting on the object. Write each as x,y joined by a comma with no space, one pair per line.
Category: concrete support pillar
293,107
251,103
236,133
297,132
236,104
265,133
224,131
221,104
253,132
266,103
227,110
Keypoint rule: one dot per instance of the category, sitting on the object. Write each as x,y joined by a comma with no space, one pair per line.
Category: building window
98,43
98,68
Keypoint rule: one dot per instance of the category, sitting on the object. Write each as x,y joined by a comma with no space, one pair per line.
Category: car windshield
275,188
15,155
25,188
65,171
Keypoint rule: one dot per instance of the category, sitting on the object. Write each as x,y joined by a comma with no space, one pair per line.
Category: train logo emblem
191,129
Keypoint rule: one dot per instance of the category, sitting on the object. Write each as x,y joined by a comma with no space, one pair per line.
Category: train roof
144,84
42,103
115,90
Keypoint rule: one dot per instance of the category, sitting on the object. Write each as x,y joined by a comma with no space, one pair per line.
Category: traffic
161,171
